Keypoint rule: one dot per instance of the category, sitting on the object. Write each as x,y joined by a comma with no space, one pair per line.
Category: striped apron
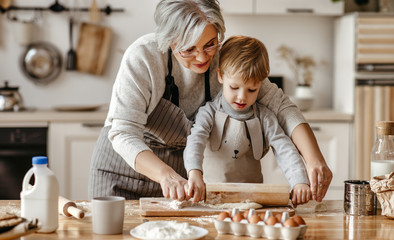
165,133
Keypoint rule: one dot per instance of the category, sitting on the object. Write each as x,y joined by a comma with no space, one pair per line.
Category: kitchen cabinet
321,7
364,78
333,138
237,6
70,148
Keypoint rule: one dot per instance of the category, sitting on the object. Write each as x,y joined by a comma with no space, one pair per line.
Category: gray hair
183,22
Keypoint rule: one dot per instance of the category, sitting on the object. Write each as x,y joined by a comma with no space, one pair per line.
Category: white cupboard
70,148
320,7
237,6
334,142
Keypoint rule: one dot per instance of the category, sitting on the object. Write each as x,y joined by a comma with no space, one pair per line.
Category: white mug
108,214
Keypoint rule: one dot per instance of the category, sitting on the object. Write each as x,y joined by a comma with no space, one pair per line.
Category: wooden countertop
330,224
46,116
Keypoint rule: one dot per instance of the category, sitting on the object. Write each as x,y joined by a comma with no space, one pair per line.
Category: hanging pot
41,62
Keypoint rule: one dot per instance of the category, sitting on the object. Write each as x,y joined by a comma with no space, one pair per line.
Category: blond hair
245,56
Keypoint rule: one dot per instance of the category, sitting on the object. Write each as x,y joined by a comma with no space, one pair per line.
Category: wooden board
93,48
159,207
265,194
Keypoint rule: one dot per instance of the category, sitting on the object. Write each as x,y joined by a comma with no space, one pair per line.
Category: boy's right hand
196,185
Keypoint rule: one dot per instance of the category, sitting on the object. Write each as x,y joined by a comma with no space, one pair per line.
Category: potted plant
302,68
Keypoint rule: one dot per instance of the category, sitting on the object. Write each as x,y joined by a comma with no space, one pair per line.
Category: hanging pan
41,62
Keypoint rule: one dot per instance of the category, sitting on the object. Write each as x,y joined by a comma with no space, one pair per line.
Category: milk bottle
382,154
41,200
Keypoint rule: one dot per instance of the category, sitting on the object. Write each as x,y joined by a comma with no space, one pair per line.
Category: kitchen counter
43,116
329,224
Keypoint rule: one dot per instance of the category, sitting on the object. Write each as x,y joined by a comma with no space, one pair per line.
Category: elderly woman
164,77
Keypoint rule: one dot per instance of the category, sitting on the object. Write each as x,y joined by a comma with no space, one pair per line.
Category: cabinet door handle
299,10
315,129
93,125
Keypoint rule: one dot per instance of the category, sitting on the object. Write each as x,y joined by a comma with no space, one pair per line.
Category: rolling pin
69,208
264,194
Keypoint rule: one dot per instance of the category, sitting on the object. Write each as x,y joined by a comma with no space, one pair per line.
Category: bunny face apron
234,151
165,133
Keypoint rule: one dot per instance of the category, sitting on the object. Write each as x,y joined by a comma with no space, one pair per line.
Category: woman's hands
319,174
301,194
172,184
320,177
196,185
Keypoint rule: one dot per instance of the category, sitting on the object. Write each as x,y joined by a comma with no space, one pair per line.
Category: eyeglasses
194,52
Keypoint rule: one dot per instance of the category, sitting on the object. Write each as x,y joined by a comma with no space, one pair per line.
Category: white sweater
140,85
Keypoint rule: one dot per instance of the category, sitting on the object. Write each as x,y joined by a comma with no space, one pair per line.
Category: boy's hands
301,194
196,185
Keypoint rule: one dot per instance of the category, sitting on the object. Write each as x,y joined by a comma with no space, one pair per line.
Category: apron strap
207,87
171,91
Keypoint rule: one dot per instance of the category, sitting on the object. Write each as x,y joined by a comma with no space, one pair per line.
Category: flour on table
175,204
164,230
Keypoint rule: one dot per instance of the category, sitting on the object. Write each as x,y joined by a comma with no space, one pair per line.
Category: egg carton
260,229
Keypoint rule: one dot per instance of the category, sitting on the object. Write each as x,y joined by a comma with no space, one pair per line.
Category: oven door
17,147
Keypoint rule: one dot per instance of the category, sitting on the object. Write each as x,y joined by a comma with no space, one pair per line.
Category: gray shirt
140,84
287,156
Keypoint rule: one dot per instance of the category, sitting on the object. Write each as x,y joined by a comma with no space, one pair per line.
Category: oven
17,147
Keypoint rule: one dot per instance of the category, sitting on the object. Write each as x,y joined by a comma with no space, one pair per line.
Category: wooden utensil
265,194
69,208
5,4
160,207
94,43
94,12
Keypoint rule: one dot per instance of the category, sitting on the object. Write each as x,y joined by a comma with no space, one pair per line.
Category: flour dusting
11,208
164,230
175,204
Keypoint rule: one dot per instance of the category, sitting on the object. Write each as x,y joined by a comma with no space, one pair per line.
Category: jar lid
385,127
40,160
8,88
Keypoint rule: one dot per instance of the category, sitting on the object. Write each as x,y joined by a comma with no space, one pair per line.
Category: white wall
309,35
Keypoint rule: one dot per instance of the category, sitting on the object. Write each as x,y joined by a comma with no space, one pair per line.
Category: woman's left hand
320,177
319,173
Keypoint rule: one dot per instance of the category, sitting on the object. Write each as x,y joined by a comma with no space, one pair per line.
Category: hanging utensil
94,12
57,7
5,4
71,55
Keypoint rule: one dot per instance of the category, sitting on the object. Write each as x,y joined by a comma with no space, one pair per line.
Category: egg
298,219
272,220
222,216
246,214
254,219
290,223
278,216
238,217
262,216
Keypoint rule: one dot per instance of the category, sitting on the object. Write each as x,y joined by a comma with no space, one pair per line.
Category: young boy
238,130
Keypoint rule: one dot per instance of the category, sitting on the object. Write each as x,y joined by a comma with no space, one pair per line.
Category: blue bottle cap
40,160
